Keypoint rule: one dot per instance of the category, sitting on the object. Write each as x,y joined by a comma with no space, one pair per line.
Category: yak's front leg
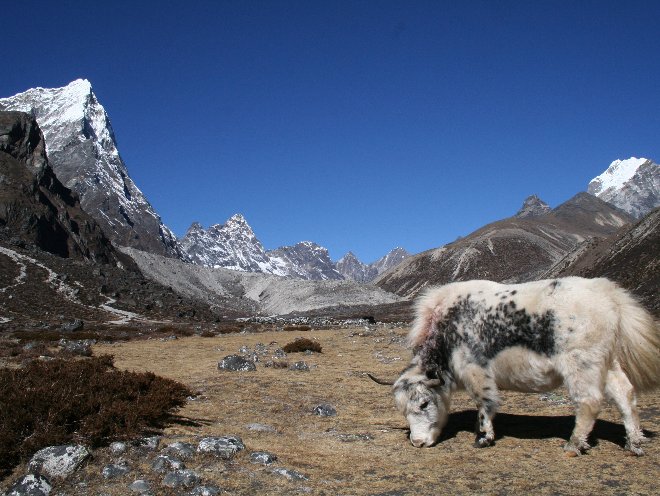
481,386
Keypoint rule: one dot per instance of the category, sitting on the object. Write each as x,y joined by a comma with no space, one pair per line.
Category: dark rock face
237,363
34,205
511,250
58,461
30,485
83,152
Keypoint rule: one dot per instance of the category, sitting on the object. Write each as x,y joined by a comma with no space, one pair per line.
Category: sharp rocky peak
533,206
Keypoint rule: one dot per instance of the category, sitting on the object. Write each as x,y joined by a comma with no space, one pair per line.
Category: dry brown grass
364,450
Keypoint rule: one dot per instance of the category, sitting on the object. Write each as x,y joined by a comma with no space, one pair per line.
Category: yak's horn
380,381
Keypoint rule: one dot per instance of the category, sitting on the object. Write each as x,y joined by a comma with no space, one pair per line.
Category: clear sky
360,125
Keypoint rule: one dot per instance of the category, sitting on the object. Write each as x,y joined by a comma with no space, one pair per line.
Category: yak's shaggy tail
427,309
638,347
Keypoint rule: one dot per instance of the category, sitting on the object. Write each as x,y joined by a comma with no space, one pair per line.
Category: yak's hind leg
481,386
585,381
621,391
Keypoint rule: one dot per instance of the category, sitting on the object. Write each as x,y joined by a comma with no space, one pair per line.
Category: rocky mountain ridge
234,245
511,250
82,151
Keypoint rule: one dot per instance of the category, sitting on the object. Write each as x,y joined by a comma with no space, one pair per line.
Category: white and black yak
588,334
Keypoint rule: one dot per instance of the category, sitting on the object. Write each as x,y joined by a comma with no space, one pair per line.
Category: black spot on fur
514,292
487,332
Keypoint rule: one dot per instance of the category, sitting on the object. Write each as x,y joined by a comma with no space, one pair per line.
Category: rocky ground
312,423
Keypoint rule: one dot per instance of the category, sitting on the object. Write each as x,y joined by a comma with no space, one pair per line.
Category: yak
590,335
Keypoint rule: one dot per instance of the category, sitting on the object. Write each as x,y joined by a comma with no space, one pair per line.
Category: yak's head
422,399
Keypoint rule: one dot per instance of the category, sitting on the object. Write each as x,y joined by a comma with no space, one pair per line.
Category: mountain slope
35,208
631,257
352,268
513,249
633,185
82,150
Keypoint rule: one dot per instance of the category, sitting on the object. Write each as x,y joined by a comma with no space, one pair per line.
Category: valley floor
364,449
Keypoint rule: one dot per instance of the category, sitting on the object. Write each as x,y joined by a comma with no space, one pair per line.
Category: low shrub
301,345
207,334
88,401
300,328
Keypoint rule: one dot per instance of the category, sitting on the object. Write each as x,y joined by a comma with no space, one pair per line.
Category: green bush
87,401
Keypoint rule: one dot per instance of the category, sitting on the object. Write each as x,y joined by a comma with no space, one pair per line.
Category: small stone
263,457
73,326
325,410
299,366
289,474
58,461
79,347
115,470
205,491
163,463
182,450
118,448
260,428
236,363
141,486
30,485
225,447
178,478
149,443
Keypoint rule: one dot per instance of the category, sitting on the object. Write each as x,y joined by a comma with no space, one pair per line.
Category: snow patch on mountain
633,185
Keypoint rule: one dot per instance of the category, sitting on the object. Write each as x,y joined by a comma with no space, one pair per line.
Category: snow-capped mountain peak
633,185
82,151
616,175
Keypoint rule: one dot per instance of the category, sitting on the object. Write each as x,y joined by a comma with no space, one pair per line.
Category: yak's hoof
576,448
634,450
483,442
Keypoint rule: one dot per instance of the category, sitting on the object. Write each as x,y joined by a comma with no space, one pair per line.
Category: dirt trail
364,450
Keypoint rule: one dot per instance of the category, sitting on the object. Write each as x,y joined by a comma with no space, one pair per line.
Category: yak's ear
433,378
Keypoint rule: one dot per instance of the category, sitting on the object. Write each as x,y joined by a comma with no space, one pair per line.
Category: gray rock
325,410
182,450
141,486
115,470
74,325
263,457
255,427
58,461
178,478
236,363
289,474
118,448
148,443
78,347
224,447
205,491
163,463
299,366
30,485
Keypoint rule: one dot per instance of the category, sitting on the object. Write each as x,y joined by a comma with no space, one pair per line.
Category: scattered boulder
289,474
148,443
163,463
263,457
224,447
237,363
256,427
118,448
325,410
73,326
30,485
182,450
205,491
299,366
115,470
58,461
141,486
178,478
79,347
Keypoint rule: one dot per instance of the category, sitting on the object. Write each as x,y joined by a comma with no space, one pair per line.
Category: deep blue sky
361,125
